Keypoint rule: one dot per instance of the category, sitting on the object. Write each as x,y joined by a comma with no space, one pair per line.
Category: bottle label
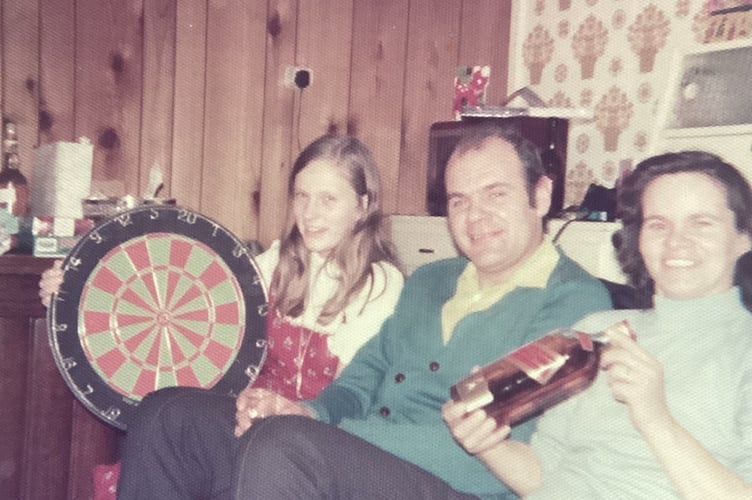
538,361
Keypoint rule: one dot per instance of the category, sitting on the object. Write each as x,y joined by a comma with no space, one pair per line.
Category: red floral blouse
298,362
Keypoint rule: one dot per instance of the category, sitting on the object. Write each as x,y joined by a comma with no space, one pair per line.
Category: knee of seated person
275,431
164,404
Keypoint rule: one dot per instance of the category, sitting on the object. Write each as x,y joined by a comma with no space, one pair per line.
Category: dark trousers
296,458
180,446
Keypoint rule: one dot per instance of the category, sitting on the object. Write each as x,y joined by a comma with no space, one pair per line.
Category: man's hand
475,431
253,404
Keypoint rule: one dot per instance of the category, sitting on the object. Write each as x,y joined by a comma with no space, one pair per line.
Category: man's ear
544,189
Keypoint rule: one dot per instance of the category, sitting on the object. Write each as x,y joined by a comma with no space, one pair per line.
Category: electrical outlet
296,77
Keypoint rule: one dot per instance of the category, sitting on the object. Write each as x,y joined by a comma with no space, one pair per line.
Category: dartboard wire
163,338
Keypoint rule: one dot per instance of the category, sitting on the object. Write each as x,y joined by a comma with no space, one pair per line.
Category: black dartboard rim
155,297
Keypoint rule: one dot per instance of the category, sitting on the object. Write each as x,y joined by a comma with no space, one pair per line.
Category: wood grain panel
50,442
13,376
109,52
46,446
190,85
377,85
92,443
56,70
234,103
195,86
279,107
433,45
324,38
484,40
20,32
158,92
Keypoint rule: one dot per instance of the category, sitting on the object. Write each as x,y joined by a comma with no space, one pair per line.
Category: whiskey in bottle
14,189
536,376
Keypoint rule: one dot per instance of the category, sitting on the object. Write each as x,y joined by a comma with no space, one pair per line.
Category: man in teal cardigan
511,286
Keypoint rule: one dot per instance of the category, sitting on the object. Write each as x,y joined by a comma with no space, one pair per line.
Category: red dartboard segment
186,298
134,342
179,253
97,321
186,376
138,255
227,313
111,362
136,300
144,382
213,275
107,281
155,297
192,341
172,281
194,315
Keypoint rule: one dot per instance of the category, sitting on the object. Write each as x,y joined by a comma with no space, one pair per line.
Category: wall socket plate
297,77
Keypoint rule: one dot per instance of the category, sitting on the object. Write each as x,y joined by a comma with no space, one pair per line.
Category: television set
548,133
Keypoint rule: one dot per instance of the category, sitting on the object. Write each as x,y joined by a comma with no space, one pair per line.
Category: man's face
489,210
688,240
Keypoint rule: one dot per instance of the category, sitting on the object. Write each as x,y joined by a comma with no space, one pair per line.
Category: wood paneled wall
194,86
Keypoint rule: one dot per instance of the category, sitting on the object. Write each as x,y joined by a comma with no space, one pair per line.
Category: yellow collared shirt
470,297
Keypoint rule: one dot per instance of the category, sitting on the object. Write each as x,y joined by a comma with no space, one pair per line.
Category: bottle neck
601,337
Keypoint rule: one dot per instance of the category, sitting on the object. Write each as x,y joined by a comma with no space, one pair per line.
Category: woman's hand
50,283
253,404
635,377
475,431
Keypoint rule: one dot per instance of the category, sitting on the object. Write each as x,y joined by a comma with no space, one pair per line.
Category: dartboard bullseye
156,297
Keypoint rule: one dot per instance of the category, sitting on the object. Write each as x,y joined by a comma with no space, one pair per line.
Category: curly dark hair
627,240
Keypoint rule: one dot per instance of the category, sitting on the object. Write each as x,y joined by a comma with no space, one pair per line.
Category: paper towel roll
61,178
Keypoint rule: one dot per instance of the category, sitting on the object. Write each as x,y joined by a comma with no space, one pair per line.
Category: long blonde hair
354,256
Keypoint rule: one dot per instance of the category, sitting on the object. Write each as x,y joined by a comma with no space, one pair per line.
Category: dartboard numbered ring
157,296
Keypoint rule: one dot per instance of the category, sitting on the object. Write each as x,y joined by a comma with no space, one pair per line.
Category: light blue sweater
588,445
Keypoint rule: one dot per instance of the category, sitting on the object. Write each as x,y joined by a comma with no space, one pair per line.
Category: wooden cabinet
49,443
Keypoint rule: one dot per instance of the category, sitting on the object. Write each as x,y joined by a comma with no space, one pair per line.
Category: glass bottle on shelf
14,189
536,376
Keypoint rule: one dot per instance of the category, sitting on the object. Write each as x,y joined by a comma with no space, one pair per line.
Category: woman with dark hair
631,210
671,416
332,281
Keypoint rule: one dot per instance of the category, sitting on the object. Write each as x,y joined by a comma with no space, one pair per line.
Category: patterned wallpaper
611,57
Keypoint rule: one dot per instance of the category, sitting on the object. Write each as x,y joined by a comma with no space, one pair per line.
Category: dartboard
155,297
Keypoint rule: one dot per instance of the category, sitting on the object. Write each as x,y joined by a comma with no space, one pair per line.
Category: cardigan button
400,377
434,366
384,411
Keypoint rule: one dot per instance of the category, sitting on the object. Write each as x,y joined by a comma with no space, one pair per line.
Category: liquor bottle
14,189
536,376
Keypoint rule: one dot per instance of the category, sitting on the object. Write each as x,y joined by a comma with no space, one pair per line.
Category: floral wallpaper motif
611,57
